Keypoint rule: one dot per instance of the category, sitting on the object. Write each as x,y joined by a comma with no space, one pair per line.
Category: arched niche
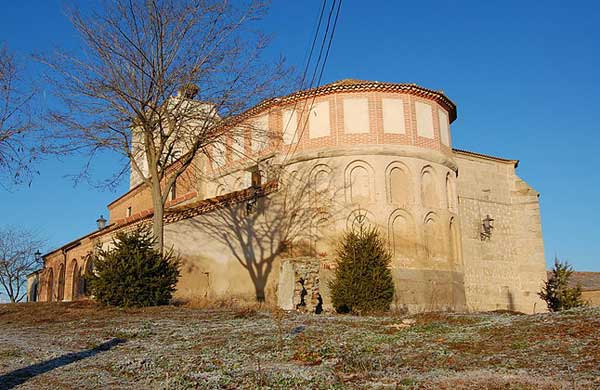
86,271
320,179
74,280
454,241
429,189
34,291
220,190
399,187
359,182
359,217
61,283
50,285
451,199
401,233
434,237
292,182
241,183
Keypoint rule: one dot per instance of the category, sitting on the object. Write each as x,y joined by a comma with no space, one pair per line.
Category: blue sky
524,75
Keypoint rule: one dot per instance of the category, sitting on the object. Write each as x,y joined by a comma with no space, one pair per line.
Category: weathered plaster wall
403,191
408,193
228,254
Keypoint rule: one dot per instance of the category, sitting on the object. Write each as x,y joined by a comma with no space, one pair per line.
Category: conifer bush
363,281
557,293
133,272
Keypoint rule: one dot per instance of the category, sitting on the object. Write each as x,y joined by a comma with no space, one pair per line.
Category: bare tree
17,259
15,121
160,82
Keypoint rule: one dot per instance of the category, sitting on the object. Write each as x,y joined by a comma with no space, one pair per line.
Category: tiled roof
193,209
486,156
589,281
352,85
179,213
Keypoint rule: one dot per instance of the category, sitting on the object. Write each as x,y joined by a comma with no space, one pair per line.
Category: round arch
74,280
401,233
359,182
60,296
429,187
50,285
399,183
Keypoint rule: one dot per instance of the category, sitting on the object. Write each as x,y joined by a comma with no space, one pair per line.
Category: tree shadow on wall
22,375
279,225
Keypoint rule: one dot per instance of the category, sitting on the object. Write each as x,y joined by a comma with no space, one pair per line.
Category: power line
322,49
320,74
326,35
304,74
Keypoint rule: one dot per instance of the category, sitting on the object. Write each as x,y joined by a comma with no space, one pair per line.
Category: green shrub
133,273
363,281
557,293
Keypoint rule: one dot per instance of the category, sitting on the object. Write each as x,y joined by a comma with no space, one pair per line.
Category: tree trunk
157,219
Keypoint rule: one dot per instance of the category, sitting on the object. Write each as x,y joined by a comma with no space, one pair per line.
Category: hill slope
85,346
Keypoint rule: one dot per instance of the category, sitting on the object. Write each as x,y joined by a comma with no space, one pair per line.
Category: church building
262,220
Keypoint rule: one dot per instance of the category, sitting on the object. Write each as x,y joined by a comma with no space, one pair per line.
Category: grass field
82,345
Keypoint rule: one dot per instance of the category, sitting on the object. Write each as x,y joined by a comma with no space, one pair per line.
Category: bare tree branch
17,260
159,81
16,122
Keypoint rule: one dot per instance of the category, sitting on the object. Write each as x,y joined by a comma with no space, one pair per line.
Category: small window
128,211
173,192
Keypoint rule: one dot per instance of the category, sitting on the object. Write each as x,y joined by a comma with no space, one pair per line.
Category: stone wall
298,275
62,276
409,194
379,153
507,270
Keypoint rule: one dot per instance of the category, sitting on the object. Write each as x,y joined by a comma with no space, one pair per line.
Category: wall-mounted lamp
487,227
101,222
38,255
